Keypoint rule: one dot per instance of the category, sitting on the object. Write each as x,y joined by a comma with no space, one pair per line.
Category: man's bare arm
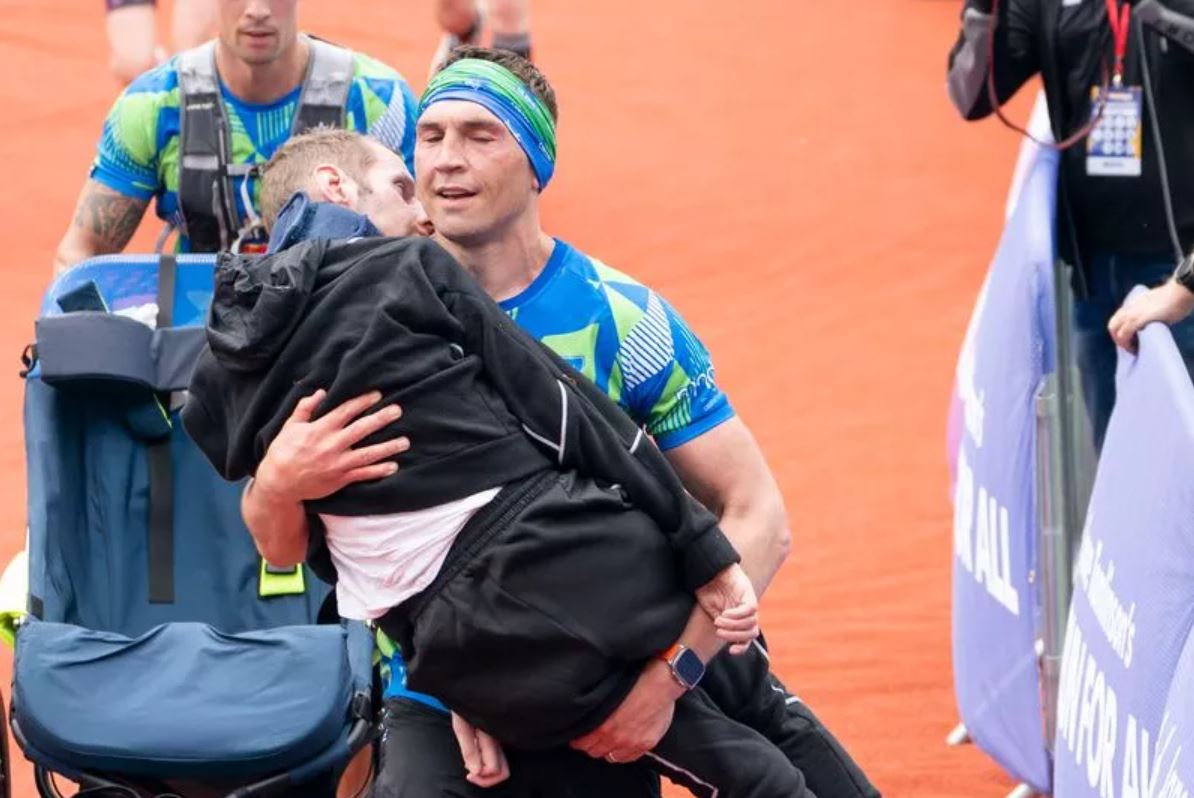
725,470
104,222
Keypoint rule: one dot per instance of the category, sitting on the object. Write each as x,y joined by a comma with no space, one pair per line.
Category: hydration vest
206,188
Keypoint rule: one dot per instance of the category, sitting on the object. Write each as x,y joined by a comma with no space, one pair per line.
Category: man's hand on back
310,459
640,722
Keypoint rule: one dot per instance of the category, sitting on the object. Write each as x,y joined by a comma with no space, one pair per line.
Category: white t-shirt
382,560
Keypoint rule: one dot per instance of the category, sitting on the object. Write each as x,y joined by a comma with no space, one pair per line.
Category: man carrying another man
480,171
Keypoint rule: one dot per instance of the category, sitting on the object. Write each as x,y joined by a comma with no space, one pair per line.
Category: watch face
689,668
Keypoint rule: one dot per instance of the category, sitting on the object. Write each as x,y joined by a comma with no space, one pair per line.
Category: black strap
167,280
28,359
329,609
161,523
309,117
161,468
205,198
325,87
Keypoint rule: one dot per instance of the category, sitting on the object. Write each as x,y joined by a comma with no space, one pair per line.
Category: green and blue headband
499,91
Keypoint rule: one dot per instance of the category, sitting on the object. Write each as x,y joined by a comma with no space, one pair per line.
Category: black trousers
419,756
704,751
747,690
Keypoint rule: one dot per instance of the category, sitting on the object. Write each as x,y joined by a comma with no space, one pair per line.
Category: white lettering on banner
1086,712
1097,581
1087,723
982,534
1172,786
1136,780
989,558
964,512
972,398
1086,708
1072,657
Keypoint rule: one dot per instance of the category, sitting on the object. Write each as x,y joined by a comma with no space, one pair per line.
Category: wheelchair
160,655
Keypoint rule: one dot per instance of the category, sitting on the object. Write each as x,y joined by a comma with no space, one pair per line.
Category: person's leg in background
1094,351
748,692
132,38
193,23
462,22
510,21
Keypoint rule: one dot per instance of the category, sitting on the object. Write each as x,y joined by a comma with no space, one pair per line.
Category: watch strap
1184,275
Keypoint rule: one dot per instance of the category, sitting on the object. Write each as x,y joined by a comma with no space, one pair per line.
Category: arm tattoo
109,217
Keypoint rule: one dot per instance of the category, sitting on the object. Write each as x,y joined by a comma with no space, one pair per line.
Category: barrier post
1052,581
1065,472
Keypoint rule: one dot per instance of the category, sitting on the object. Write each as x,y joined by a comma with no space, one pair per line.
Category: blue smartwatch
686,667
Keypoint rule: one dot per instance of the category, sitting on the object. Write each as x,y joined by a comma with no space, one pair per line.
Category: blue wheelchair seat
182,696
158,645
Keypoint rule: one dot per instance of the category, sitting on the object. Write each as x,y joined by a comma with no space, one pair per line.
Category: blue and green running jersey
628,340
138,150
631,343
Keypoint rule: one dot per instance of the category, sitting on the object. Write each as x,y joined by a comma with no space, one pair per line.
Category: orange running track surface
791,176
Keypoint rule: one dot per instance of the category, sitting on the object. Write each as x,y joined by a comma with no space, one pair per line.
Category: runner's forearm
700,635
759,531
278,525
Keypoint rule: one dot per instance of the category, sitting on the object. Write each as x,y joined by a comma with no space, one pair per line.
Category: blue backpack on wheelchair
160,654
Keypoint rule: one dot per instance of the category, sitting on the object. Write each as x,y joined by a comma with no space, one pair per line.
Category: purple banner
1133,605
1006,355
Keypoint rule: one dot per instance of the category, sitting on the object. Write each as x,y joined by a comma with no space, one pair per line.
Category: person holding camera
1121,102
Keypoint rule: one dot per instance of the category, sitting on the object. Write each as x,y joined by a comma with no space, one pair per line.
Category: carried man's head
347,169
485,144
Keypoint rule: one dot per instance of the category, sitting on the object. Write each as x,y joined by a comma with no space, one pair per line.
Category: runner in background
246,88
464,21
132,33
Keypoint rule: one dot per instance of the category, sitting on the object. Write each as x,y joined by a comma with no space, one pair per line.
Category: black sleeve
584,429
319,558
205,419
1016,55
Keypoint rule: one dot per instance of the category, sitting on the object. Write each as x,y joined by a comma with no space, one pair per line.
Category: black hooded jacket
484,404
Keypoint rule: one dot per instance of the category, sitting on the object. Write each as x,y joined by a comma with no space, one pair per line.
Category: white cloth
147,314
382,560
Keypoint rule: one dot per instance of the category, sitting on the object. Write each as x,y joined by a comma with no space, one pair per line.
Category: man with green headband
485,149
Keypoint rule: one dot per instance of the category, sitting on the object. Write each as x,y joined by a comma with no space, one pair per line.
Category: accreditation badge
1114,147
